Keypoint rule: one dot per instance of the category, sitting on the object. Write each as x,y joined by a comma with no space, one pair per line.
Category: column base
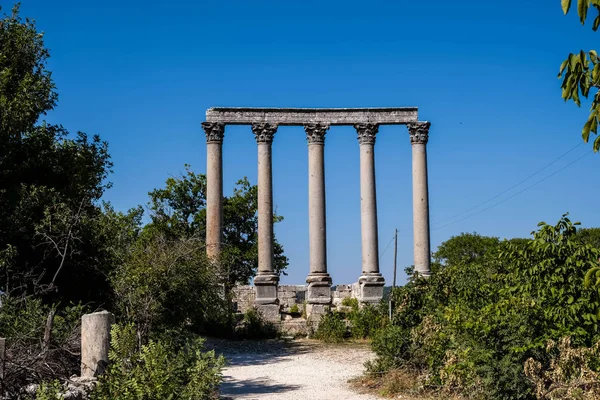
266,288
270,312
371,288
319,288
423,270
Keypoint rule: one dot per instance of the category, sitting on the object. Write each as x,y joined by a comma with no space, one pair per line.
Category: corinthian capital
264,132
419,132
366,133
315,133
215,131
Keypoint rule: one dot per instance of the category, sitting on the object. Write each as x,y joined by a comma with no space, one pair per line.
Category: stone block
270,312
319,294
371,293
266,294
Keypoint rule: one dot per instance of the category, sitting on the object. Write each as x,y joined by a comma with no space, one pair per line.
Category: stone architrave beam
310,116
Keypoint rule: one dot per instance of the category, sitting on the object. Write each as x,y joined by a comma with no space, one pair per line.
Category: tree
581,72
179,210
50,181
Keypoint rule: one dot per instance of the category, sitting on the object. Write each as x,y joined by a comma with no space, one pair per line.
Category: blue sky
142,73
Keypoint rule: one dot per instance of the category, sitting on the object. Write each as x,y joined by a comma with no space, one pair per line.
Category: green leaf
582,8
566,5
562,67
597,144
596,23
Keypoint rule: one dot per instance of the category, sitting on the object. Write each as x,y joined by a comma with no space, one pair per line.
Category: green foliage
294,309
179,210
161,369
35,357
169,283
391,345
489,307
365,321
255,327
26,87
332,328
51,181
581,72
49,391
350,302
589,236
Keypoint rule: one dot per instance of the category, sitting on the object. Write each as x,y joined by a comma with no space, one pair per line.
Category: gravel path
288,371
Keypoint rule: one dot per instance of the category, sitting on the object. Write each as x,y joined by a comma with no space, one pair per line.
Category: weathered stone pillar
95,342
371,282
266,279
214,187
319,281
2,358
419,135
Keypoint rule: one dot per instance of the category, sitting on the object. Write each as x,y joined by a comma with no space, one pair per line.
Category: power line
509,189
516,194
386,247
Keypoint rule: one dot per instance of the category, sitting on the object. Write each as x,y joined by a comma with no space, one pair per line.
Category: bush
332,328
350,302
572,373
365,321
164,368
392,347
489,307
255,327
169,284
33,357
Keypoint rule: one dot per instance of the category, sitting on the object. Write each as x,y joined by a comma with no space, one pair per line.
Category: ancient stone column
95,342
319,281
419,134
266,279
214,187
2,357
371,282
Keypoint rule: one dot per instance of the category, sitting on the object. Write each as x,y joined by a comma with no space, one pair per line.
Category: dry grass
398,384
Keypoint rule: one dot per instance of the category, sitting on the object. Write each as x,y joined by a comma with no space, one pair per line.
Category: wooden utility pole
394,281
395,256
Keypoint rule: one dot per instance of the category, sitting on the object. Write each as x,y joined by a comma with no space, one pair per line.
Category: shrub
168,284
169,367
254,326
42,343
572,373
350,302
52,390
489,307
294,309
391,345
365,321
332,328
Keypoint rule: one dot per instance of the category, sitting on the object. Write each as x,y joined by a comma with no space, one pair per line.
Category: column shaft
214,188
265,209
319,281
266,279
419,134
371,280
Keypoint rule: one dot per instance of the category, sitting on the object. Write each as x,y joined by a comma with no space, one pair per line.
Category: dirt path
289,371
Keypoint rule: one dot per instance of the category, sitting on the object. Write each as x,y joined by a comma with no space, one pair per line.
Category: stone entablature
306,116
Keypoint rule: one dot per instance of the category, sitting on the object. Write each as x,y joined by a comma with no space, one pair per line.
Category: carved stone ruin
316,122
95,342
